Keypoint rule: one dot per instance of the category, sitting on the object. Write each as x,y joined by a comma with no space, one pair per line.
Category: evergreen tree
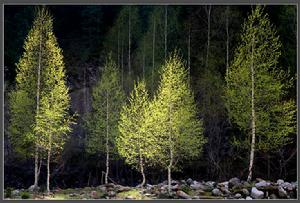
40,75
133,142
172,118
255,89
102,121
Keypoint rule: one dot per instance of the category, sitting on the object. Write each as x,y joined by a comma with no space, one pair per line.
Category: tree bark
142,171
166,29
253,114
208,34
171,151
107,147
189,55
118,46
48,170
129,40
153,54
36,156
227,39
144,59
122,65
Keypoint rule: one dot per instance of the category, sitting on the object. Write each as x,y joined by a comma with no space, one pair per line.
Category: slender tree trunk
118,47
144,59
208,34
166,30
268,157
122,66
107,147
48,170
227,39
40,165
129,40
171,151
153,54
36,155
253,115
189,54
142,171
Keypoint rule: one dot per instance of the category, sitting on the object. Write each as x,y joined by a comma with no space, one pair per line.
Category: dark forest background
85,34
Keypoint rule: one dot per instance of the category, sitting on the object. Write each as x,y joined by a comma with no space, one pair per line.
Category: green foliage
275,117
171,117
29,127
107,100
7,192
25,195
133,142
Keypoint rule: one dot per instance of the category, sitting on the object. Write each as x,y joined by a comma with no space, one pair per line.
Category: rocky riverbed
182,189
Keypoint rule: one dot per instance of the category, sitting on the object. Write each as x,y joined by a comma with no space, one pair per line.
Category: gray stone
216,192
129,197
196,185
245,192
273,196
248,198
174,182
123,188
225,190
111,193
233,181
280,181
183,182
175,187
281,192
210,183
32,188
223,184
256,194
237,195
102,188
288,186
15,192
189,181
262,184
182,195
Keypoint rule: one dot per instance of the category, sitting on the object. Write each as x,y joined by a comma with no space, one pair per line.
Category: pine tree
102,121
172,118
40,72
255,89
133,142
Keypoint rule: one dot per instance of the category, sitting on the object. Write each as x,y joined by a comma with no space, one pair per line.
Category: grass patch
25,195
135,193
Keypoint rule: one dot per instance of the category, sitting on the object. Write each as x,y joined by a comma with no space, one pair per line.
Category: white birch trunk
48,170
166,30
227,39
153,54
36,156
171,151
189,55
208,34
144,59
129,40
253,119
107,147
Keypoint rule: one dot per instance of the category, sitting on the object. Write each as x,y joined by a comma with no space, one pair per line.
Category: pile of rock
232,189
